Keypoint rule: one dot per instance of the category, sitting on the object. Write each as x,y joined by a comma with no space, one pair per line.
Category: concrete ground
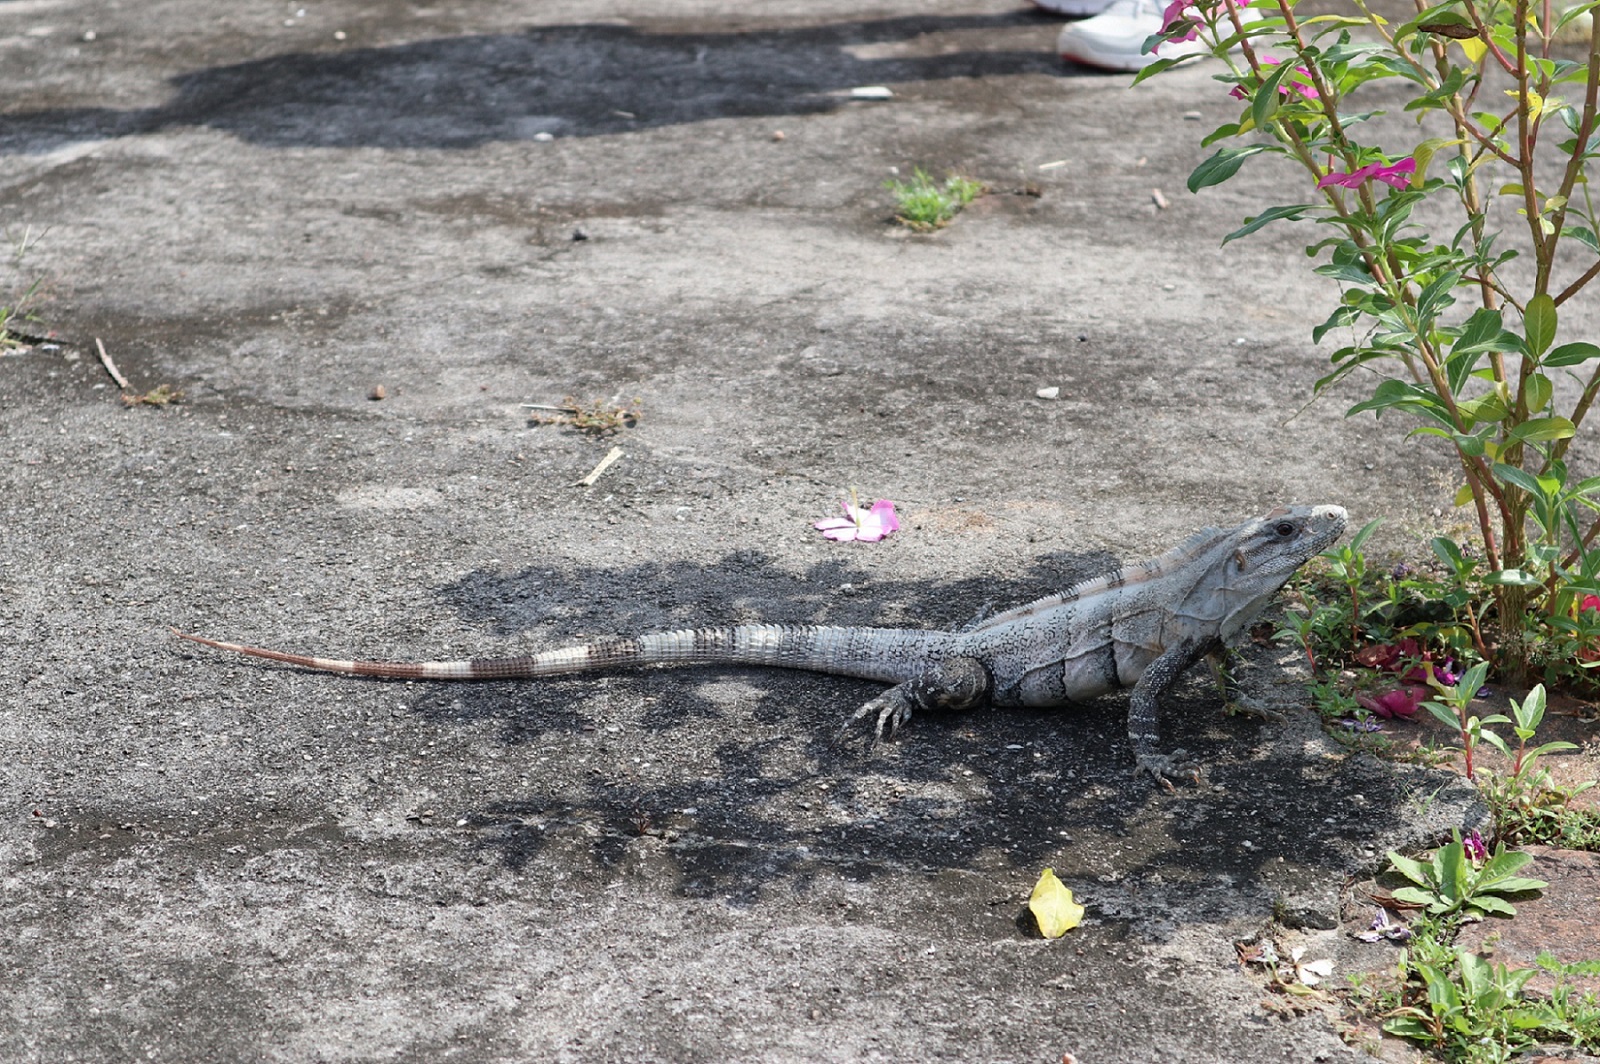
285,211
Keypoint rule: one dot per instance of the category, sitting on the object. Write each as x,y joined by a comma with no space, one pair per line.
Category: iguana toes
1139,627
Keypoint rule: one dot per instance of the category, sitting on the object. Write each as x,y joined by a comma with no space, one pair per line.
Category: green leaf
1416,896
1536,391
1264,101
1397,394
1513,578
1292,212
1522,479
1348,272
1542,430
1409,1027
1504,863
1443,713
1447,551
1572,354
1583,236
1367,530
1341,317
1221,166
1488,904
1157,67
1451,863
1436,296
1539,322
1416,871
1480,333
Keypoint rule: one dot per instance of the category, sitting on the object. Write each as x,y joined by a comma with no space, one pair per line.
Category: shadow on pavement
567,81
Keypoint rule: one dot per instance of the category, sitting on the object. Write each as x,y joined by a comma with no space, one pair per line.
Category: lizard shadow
452,92
646,769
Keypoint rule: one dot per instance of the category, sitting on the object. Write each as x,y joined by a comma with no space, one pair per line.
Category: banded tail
892,655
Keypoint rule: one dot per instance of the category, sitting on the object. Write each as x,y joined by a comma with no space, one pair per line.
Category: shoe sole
1072,8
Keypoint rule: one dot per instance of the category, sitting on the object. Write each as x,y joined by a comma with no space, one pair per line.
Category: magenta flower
1590,602
1286,86
1395,174
1475,847
1185,15
864,526
1174,18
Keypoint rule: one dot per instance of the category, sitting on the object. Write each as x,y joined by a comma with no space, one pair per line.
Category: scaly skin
1142,627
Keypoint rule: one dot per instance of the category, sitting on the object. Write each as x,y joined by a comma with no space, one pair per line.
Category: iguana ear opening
1240,561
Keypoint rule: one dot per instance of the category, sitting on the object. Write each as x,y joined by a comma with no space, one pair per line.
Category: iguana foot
1160,766
957,683
1245,706
889,710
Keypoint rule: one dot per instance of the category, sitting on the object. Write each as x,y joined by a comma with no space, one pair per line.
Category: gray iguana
1138,627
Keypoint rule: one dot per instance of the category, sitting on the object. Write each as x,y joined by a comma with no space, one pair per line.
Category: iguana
1138,627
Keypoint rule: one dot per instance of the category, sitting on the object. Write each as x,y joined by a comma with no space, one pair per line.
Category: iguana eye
1284,528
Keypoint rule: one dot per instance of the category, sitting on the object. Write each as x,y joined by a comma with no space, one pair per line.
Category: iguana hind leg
1223,662
952,684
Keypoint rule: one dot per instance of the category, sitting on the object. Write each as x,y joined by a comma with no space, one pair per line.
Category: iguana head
1261,556
1285,539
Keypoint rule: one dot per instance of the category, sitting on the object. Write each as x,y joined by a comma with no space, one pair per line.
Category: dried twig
111,367
605,463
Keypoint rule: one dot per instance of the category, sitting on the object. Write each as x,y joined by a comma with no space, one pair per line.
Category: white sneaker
1077,8
1114,38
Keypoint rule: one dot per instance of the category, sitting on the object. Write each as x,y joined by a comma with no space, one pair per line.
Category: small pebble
1048,393
544,137
777,134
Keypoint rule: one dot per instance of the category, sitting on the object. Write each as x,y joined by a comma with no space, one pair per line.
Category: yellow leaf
1052,906
1474,47
1464,496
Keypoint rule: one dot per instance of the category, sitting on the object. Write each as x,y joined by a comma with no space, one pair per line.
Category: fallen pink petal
1402,702
858,525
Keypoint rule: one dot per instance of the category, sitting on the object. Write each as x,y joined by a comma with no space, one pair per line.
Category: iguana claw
1160,766
890,710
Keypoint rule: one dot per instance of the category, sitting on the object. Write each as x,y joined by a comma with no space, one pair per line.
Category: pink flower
1395,174
1286,86
1590,602
864,526
1475,847
1174,18
1402,702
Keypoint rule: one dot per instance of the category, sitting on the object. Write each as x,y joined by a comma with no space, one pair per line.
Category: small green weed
161,395
924,206
1451,882
601,417
17,305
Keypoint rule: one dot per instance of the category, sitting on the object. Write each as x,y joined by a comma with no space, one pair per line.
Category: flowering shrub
1447,332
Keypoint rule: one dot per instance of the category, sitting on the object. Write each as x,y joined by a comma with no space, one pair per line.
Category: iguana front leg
952,684
1144,710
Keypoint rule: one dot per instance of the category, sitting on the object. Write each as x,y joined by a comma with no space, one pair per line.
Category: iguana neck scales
1138,627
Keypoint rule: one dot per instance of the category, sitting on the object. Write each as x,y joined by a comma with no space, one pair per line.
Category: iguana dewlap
1139,627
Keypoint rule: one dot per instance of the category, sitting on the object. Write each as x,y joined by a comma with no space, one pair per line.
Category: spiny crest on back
1127,576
